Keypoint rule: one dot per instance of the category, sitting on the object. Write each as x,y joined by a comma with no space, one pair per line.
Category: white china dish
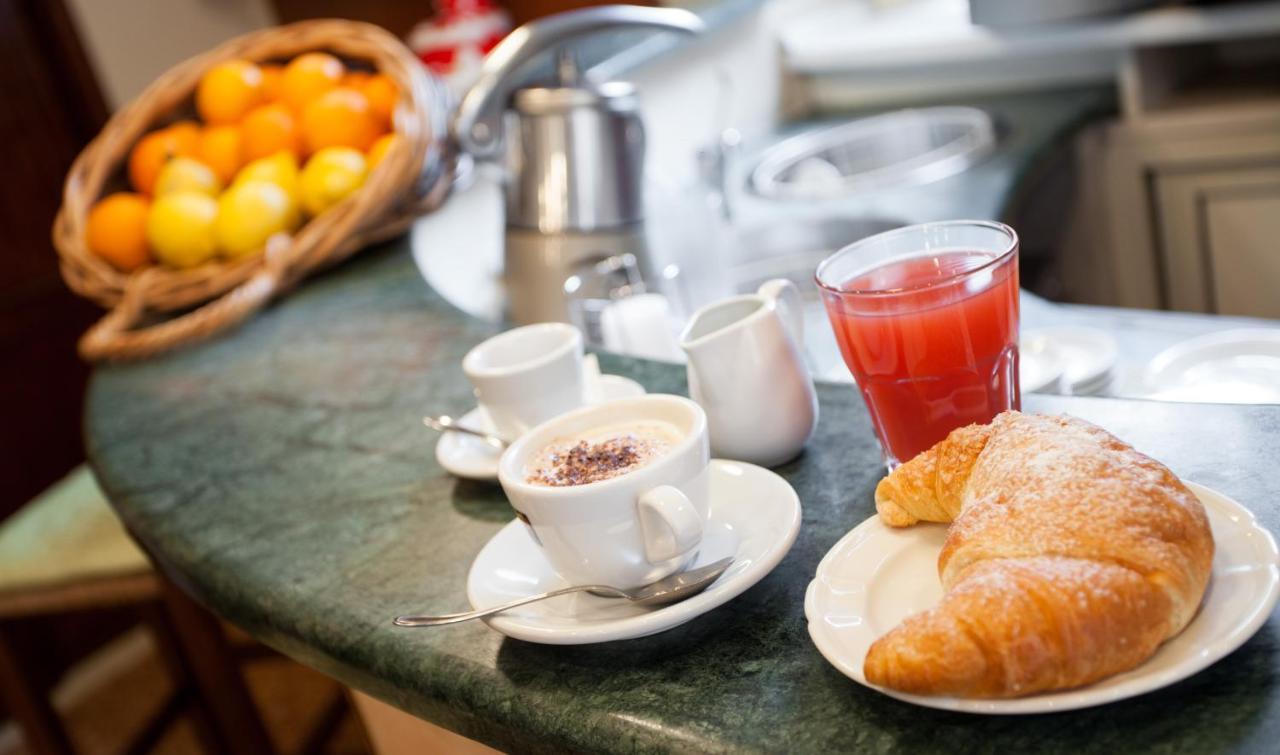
876,576
1039,367
471,458
1232,366
754,518
1088,356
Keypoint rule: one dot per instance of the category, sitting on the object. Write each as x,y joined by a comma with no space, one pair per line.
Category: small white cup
527,375
625,531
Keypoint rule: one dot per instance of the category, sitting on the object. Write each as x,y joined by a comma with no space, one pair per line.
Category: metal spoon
671,589
444,423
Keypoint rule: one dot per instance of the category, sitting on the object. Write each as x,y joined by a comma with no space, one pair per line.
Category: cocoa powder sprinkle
584,462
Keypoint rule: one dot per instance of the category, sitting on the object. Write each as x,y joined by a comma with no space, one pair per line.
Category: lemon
251,212
331,175
185,174
280,169
180,228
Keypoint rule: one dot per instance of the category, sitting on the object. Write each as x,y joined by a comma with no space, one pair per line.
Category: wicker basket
413,179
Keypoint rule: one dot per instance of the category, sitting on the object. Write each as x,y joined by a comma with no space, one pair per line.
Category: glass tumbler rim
1009,250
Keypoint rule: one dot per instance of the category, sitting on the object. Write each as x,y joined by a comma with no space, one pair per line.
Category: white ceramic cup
527,375
625,531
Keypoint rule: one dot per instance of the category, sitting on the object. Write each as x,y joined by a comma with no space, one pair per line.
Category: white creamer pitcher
747,372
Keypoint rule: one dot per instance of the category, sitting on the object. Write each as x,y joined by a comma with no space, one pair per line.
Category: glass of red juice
927,321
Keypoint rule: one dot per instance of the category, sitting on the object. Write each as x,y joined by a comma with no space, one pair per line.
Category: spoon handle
445,424
454,618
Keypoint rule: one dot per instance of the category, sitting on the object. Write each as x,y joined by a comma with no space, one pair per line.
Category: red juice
932,340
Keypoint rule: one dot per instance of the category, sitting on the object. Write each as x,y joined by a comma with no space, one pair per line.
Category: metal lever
478,125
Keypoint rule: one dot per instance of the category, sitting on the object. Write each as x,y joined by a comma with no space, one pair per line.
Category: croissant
1070,557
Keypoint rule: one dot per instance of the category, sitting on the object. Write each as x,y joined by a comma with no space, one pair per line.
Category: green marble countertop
281,474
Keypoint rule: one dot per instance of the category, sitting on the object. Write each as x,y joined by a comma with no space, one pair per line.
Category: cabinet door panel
1142,163
1183,271
1198,273
1242,228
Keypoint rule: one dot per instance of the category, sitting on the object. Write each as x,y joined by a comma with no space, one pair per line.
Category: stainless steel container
573,152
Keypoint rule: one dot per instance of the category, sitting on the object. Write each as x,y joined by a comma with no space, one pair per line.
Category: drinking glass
926,317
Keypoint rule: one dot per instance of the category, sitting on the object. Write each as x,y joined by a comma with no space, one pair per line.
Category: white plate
754,517
876,576
1087,355
1039,367
1233,366
470,457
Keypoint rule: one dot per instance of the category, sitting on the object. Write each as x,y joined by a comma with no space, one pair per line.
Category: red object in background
440,58
453,43
932,341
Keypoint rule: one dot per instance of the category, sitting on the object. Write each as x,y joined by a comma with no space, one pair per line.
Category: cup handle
669,523
788,304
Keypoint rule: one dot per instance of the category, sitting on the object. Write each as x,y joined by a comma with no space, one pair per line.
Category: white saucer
470,457
1233,366
1087,355
878,575
754,517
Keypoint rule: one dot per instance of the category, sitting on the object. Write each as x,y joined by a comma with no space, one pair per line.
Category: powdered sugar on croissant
1071,557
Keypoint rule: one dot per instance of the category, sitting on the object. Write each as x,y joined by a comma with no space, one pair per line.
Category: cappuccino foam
601,453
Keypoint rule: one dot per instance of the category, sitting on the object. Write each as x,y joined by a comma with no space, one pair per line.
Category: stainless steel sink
899,148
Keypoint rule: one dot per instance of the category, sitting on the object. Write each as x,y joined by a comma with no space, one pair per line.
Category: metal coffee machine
573,154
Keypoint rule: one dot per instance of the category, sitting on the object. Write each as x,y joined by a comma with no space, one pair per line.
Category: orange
382,94
272,76
269,129
355,79
379,150
339,118
220,148
186,137
229,90
307,77
117,230
153,150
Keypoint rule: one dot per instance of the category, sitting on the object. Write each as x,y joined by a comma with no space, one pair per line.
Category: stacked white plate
1229,367
1075,361
1039,367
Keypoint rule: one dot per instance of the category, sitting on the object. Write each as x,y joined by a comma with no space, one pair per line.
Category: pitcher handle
788,304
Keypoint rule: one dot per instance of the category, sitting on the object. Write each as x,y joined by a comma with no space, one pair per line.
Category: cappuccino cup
614,494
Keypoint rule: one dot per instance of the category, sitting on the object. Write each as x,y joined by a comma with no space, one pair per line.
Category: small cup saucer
754,517
470,457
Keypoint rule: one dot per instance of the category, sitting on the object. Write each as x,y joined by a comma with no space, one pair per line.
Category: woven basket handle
114,336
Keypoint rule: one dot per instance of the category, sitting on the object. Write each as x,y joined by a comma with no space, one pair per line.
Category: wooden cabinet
1181,201
1180,213
1219,240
